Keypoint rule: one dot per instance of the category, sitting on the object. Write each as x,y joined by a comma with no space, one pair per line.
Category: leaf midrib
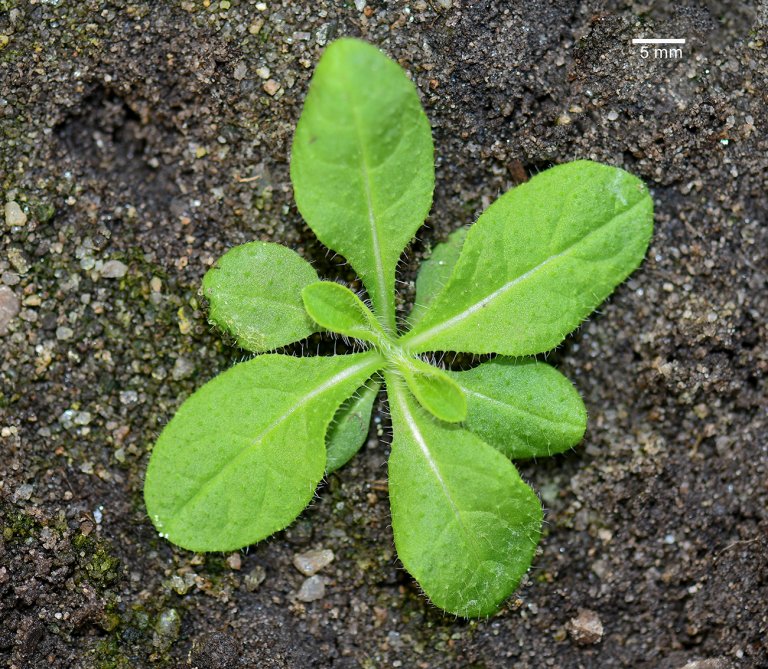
380,279
424,336
516,409
399,394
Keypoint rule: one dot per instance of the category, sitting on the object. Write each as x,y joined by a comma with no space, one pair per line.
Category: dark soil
142,132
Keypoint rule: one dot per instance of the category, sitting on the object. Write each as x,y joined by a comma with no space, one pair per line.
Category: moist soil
141,140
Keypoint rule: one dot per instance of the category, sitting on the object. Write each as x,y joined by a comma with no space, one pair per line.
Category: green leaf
525,409
338,309
362,164
435,272
437,392
538,261
349,429
243,455
466,526
254,292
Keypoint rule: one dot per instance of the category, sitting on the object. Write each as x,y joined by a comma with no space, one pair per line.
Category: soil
157,135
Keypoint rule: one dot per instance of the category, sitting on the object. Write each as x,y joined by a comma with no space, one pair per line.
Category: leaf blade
518,289
435,390
254,292
336,308
524,409
349,429
471,551
362,163
434,273
221,478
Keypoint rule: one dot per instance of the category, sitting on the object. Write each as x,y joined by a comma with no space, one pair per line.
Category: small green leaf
362,164
338,309
466,526
525,409
349,429
437,392
243,455
538,261
435,272
254,292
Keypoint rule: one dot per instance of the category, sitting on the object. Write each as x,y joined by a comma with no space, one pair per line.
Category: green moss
16,525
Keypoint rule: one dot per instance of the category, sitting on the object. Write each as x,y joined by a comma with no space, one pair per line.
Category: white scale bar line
658,41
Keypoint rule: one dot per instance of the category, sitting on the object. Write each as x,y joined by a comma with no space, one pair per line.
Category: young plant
244,454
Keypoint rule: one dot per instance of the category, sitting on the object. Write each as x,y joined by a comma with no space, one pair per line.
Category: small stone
254,578
114,269
128,397
167,628
23,493
155,284
10,278
9,308
183,368
63,333
312,589
235,561
711,663
241,69
271,86
612,115
360,5
14,216
18,261
263,73
311,562
586,628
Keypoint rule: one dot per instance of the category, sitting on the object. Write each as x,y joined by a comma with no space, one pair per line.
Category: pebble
9,308
586,628
271,86
128,397
612,115
23,493
235,561
14,216
63,333
182,369
311,562
312,589
712,663
254,578
114,269
167,628
241,69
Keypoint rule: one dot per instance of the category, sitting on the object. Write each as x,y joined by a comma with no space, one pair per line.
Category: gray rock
14,216
114,269
311,562
312,589
9,308
254,578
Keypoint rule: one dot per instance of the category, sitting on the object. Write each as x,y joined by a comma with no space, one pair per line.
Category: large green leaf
435,272
525,409
362,164
243,455
349,429
254,292
538,261
338,309
466,526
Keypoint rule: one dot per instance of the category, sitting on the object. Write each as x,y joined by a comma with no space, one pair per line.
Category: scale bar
659,41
